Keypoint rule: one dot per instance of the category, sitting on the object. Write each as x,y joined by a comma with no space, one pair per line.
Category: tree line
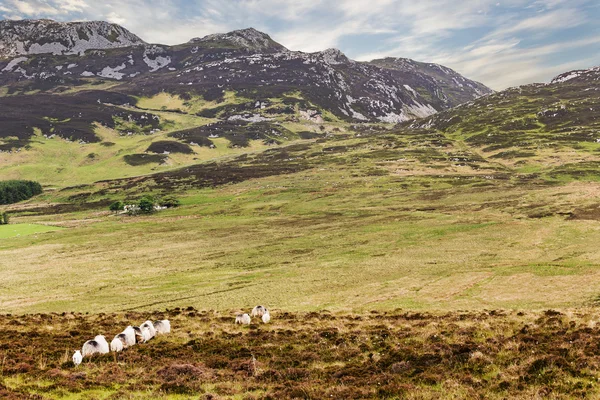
15,191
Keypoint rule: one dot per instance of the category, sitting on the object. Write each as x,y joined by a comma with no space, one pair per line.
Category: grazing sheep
259,311
266,318
98,345
150,326
162,327
129,333
146,333
77,358
243,319
118,343
139,337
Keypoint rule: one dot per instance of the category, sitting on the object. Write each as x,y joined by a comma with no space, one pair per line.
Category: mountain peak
248,38
18,38
577,74
333,56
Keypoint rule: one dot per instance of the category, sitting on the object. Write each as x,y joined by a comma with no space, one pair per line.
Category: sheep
129,333
98,345
243,319
259,311
139,337
162,327
266,318
150,326
77,358
118,343
146,333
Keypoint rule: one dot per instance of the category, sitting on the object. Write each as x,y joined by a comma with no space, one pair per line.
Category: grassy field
10,231
370,355
358,227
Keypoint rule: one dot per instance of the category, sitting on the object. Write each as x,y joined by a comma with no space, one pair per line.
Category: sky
500,43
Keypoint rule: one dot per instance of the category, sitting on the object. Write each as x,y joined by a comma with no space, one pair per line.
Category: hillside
284,188
306,183
542,129
352,217
92,101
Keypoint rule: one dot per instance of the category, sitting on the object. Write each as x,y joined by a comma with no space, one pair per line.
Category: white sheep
146,333
150,326
139,337
266,318
98,345
162,327
129,333
243,319
259,311
77,358
118,343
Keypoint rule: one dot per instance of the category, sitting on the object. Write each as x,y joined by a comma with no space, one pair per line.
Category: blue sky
501,43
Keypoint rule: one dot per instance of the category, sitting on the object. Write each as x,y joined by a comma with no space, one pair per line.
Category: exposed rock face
18,38
51,54
448,86
248,38
583,75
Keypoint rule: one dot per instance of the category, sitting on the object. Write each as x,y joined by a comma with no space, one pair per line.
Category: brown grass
488,354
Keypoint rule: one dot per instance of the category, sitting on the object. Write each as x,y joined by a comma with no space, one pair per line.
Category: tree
146,205
116,206
15,191
169,202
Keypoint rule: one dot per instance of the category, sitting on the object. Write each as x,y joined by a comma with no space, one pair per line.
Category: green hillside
359,217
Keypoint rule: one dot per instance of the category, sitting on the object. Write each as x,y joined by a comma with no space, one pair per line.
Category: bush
169,202
4,219
15,191
116,206
146,205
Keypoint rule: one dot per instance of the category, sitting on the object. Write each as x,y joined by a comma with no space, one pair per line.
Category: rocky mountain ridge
50,55
19,38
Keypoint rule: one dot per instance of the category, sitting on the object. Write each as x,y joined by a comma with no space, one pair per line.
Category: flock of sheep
258,311
134,334
129,337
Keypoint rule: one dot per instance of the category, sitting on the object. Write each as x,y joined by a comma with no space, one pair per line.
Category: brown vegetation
493,354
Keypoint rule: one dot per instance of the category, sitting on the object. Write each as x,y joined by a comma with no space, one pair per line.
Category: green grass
314,240
16,230
385,219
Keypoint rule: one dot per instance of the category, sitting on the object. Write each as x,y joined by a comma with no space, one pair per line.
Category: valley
415,233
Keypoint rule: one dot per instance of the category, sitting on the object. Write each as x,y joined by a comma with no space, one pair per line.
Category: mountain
552,128
449,86
249,38
19,38
40,55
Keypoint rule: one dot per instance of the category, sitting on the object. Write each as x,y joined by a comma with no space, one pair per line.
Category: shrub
146,205
169,202
15,191
116,206
4,219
